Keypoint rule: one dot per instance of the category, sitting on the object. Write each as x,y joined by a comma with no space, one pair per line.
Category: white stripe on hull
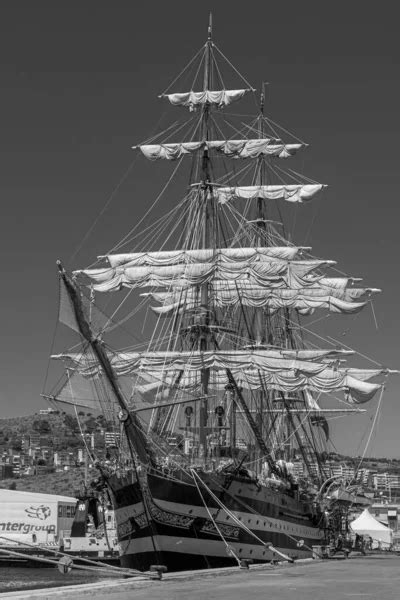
132,510
167,543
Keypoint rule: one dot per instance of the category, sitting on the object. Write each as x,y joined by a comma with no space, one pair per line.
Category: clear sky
79,84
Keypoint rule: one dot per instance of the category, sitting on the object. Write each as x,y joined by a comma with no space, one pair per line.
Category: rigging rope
236,520
229,549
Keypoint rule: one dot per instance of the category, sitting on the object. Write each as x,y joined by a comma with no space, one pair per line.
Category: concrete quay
370,577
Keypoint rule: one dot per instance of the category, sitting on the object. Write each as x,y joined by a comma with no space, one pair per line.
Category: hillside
58,430
69,483
45,452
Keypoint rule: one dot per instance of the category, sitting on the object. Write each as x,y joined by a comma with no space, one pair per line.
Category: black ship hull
164,520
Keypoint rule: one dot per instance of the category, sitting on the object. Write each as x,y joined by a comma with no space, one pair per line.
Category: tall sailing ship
211,413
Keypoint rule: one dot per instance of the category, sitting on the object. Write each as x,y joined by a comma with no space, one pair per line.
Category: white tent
367,525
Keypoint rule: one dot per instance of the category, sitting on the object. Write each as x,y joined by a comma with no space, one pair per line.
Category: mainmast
206,193
260,221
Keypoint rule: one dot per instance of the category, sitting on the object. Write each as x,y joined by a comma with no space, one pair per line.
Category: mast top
210,27
262,98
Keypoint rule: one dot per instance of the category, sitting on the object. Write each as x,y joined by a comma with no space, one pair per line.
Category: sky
79,84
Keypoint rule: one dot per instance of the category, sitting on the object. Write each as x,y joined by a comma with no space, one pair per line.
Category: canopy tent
366,524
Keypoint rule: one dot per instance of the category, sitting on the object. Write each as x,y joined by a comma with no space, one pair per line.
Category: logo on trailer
41,512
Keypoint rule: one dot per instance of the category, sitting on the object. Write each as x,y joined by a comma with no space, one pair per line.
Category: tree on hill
41,426
90,425
16,444
71,422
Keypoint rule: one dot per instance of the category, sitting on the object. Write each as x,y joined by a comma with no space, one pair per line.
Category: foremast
137,440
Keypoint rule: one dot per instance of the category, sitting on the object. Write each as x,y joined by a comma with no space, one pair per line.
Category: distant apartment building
16,465
340,471
34,440
364,476
387,513
64,459
331,469
90,440
298,468
46,453
386,482
35,452
83,456
111,439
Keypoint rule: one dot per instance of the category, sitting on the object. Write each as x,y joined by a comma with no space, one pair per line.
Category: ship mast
133,428
206,191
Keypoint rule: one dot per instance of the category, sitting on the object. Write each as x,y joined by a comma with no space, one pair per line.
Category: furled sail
267,360
254,148
253,371
174,257
330,381
346,300
266,272
192,99
231,148
290,193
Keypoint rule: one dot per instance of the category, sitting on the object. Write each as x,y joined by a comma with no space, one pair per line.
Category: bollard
245,563
159,570
65,565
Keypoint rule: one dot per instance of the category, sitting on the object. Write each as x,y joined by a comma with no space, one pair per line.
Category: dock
370,577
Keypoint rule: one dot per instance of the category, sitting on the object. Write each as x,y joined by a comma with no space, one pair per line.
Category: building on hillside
25,442
35,452
34,440
387,513
341,471
364,476
46,453
387,483
46,411
63,458
111,439
90,440
298,468
83,457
